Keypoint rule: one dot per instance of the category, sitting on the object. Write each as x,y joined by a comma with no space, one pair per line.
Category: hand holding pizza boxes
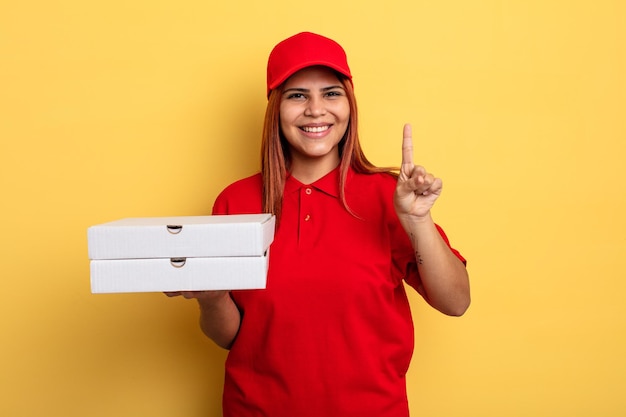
192,253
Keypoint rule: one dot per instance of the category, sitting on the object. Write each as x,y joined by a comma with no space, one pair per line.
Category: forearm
220,320
444,277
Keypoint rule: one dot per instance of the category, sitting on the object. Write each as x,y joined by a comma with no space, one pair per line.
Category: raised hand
417,190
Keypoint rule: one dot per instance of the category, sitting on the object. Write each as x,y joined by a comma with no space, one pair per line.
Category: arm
219,316
445,282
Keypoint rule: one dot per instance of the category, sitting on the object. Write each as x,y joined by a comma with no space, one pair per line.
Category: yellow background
121,108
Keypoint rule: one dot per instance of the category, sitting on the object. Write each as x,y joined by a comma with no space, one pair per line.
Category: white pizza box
179,274
186,236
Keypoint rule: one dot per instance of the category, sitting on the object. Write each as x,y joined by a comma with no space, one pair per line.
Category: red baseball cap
303,50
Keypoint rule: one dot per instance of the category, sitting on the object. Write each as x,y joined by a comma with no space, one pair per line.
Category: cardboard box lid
185,236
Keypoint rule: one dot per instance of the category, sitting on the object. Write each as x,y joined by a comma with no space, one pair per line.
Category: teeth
316,129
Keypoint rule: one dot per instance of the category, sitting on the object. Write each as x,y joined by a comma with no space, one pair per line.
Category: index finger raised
407,145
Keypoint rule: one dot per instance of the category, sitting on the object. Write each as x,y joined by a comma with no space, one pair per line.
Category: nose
315,107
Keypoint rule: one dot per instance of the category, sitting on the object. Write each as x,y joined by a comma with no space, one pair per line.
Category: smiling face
314,116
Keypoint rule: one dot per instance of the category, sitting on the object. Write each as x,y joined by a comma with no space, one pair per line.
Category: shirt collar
328,184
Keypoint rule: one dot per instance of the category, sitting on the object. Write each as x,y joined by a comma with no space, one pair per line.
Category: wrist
412,219
212,300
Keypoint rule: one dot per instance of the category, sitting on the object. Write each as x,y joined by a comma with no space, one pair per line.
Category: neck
309,170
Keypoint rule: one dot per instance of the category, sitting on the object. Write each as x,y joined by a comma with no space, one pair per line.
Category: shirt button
307,217
308,191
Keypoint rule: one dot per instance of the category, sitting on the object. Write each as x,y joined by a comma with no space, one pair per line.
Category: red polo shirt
332,334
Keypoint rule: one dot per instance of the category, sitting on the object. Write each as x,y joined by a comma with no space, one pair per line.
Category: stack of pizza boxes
192,253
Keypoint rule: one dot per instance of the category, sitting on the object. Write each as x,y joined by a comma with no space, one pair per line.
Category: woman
332,334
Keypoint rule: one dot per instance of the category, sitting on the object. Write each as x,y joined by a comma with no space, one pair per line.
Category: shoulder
370,195
377,182
241,197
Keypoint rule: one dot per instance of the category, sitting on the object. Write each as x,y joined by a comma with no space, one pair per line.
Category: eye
295,96
334,93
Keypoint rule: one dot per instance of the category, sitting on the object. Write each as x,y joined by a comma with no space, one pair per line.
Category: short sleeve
241,197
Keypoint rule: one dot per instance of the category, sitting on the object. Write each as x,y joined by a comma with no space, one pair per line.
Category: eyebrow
306,90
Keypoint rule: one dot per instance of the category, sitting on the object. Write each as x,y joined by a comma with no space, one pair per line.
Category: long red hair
275,156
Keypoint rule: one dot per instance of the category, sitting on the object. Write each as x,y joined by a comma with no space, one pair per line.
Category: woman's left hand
417,190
